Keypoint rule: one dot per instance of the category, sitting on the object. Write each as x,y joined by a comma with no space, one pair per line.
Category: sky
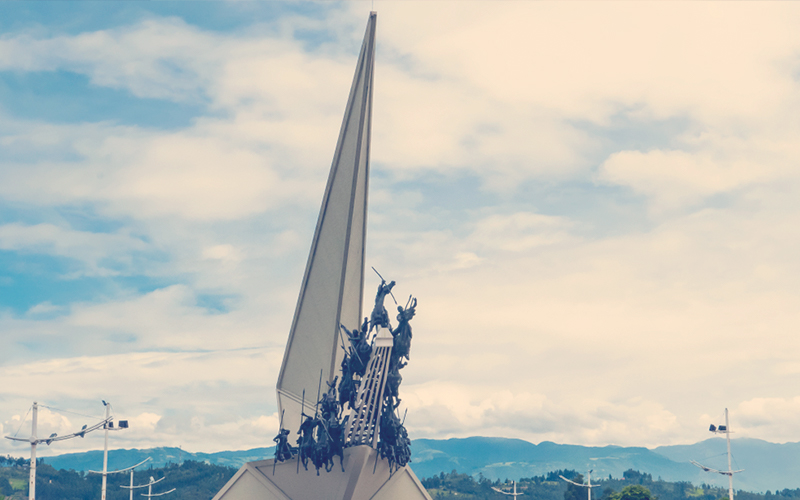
597,205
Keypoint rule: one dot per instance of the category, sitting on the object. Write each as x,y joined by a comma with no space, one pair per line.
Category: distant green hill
119,459
499,458
768,466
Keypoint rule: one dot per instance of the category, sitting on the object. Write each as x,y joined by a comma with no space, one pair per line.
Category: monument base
257,481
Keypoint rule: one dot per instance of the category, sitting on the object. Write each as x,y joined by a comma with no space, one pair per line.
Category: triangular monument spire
371,465
333,284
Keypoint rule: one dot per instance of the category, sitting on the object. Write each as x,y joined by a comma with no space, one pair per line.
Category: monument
361,452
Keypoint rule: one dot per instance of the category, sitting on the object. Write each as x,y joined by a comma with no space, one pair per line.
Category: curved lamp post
588,484
149,486
514,483
126,469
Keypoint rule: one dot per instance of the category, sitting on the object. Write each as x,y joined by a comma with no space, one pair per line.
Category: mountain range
767,466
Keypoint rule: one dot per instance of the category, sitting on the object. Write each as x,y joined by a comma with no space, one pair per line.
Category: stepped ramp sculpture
331,294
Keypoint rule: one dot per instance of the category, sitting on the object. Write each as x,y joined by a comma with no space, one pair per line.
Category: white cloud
519,232
145,420
529,325
674,178
157,392
587,59
89,247
169,318
130,173
452,410
44,308
157,58
767,417
709,165
226,253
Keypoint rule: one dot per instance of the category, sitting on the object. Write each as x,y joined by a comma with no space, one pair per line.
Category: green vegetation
633,492
193,480
201,481
634,485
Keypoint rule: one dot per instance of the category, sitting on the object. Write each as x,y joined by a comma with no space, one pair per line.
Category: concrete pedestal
256,481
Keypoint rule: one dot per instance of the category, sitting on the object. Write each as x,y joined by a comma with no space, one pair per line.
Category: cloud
500,102
708,166
226,253
44,308
444,125
162,395
95,250
585,61
156,58
129,173
145,421
251,157
275,102
574,312
167,318
770,417
519,232
666,314
451,410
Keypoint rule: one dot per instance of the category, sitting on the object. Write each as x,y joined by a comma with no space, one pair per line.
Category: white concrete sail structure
332,293
332,289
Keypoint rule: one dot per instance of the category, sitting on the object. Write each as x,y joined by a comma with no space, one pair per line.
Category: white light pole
726,429
515,494
149,485
105,453
149,495
126,469
131,485
34,440
123,424
149,488
588,484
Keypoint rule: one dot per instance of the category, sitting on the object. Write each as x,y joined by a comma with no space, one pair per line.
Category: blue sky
596,204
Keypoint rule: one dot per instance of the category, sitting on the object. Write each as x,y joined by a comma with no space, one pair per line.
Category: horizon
595,204
418,439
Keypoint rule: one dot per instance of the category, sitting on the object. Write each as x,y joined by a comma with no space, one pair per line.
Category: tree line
192,480
633,485
199,480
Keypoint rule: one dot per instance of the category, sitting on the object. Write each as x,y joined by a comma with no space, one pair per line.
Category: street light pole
105,452
34,441
131,468
514,494
588,484
730,472
149,485
123,424
131,484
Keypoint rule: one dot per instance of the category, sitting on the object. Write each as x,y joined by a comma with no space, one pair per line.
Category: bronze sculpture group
322,436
